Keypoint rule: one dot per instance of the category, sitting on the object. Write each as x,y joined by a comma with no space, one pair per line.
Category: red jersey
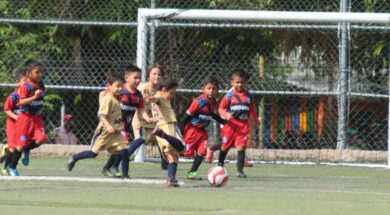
201,111
242,104
12,104
27,90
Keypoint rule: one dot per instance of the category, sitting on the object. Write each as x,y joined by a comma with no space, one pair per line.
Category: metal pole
152,36
142,36
388,109
343,78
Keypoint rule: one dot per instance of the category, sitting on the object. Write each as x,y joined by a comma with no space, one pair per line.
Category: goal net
320,80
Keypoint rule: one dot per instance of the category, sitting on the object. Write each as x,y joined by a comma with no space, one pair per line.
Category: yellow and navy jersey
163,112
110,108
27,90
146,89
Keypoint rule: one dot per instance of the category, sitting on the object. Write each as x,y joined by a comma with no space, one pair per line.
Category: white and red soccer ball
217,176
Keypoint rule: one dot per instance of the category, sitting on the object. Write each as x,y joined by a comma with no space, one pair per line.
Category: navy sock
240,160
176,143
195,165
30,146
135,144
110,162
124,154
8,158
117,160
15,159
216,147
83,155
172,167
221,158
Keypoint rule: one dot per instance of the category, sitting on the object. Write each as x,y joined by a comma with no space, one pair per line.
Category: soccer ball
217,176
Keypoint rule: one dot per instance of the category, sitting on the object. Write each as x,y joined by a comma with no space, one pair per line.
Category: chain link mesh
293,66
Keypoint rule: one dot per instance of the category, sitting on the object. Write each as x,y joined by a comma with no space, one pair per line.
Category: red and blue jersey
201,111
12,104
130,102
240,103
27,90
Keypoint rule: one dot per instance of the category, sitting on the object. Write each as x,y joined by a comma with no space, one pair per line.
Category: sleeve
194,108
223,106
104,108
23,92
219,119
252,110
141,104
9,103
184,121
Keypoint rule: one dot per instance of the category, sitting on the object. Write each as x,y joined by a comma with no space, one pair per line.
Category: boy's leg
176,143
110,162
192,174
222,155
172,168
7,161
26,153
240,162
135,144
210,152
124,155
3,153
14,161
80,156
115,169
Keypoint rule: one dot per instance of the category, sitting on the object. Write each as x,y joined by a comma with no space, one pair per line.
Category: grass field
269,189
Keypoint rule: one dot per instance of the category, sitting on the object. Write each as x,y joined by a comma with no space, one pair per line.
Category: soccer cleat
106,172
4,171
71,164
115,172
241,174
193,176
13,172
172,183
209,156
247,164
26,158
3,153
157,131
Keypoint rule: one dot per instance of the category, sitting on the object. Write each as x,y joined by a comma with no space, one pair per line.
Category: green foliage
50,100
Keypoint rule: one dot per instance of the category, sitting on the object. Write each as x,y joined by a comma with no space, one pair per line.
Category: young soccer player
143,129
195,121
169,138
236,107
12,110
29,123
108,135
131,100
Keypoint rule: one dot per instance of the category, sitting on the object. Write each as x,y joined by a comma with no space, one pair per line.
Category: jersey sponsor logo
36,103
239,107
128,107
204,117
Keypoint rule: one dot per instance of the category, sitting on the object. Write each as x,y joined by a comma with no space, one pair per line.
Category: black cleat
241,175
71,164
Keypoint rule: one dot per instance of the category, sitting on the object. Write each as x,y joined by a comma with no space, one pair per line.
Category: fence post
142,37
344,69
152,36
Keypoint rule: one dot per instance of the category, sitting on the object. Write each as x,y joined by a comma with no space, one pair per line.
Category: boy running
195,121
236,107
12,110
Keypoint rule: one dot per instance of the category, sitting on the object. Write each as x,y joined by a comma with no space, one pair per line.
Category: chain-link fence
294,67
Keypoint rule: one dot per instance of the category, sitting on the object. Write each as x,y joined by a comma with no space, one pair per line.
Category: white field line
84,179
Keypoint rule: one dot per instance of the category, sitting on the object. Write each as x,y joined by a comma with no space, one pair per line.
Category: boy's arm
8,106
184,121
107,124
222,107
101,96
136,124
24,100
145,115
253,112
219,119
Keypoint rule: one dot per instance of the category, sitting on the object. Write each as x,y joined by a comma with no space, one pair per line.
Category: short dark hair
131,68
29,65
20,74
241,73
111,77
168,83
210,80
151,67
